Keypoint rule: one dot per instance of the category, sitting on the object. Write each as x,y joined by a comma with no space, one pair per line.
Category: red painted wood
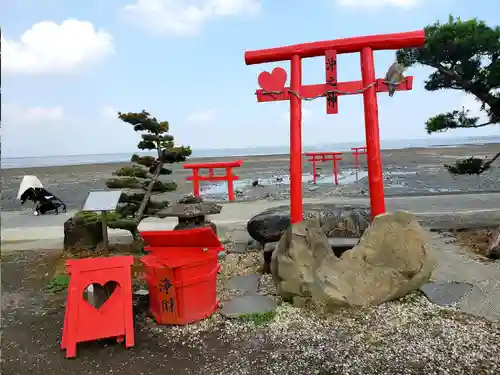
357,151
375,177
322,157
273,82
188,238
229,177
82,321
312,91
331,81
296,141
212,178
345,45
181,274
323,154
218,164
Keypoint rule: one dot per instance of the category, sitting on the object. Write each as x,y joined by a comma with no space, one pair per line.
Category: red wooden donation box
83,321
162,241
181,274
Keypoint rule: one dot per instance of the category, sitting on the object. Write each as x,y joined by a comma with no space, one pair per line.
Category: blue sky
69,66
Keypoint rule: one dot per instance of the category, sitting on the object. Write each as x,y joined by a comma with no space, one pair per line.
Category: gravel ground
409,336
417,171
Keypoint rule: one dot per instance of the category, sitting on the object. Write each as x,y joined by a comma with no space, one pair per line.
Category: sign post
103,201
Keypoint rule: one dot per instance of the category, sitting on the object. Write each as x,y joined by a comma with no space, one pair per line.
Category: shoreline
407,172
247,157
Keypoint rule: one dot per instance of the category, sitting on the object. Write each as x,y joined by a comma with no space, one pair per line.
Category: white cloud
40,131
378,3
202,116
109,113
48,47
185,17
15,114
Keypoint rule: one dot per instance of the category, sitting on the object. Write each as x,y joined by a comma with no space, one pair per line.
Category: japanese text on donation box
167,305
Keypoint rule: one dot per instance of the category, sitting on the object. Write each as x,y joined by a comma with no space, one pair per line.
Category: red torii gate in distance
273,89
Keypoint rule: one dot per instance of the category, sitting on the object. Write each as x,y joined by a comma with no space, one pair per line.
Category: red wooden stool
83,321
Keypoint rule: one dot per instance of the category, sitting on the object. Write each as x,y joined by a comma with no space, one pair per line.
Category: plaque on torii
273,89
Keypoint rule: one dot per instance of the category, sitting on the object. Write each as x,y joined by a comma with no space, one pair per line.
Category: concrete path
458,264
436,211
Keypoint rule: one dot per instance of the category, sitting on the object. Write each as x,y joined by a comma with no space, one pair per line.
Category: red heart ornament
274,81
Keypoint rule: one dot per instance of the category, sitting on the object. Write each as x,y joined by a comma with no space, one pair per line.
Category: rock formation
191,212
336,220
392,259
493,251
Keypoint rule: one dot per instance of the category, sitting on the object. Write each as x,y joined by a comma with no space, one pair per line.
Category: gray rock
80,233
336,221
253,245
446,293
190,210
247,283
493,251
244,305
392,259
141,293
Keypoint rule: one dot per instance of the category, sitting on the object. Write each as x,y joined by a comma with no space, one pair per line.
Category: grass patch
58,283
258,318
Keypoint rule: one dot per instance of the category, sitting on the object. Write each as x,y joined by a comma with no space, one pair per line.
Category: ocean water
60,160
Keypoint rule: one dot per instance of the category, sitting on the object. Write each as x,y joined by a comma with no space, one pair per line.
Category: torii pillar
273,89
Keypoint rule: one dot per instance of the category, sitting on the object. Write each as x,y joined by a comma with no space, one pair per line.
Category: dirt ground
410,336
477,240
32,321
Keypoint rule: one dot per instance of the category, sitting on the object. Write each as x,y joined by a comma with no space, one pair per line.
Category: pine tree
465,55
141,180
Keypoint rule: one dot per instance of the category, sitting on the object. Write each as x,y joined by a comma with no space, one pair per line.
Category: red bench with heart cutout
105,313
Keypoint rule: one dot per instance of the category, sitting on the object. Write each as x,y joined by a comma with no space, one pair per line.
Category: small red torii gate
273,89
322,157
229,176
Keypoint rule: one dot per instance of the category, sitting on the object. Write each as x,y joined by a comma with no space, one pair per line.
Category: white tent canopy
27,183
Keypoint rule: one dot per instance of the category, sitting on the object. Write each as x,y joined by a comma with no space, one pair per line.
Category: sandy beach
417,171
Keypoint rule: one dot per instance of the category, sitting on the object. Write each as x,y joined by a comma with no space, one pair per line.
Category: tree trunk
491,161
140,212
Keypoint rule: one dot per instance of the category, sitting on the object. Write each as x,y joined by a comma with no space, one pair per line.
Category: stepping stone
141,293
248,284
247,305
446,293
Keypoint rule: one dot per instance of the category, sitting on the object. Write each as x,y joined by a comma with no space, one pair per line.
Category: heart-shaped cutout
274,81
97,295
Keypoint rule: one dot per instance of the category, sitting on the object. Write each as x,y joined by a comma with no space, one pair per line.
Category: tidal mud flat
415,171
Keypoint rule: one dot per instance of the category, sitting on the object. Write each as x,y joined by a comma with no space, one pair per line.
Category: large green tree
465,56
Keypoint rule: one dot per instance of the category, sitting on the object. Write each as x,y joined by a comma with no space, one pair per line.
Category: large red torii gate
273,89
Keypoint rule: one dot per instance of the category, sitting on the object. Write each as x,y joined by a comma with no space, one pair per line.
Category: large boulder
337,220
392,259
83,231
493,251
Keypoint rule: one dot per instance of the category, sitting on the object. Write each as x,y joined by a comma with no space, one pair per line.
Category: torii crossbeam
273,89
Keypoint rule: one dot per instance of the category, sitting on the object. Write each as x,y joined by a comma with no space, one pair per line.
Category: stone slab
343,241
446,293
244,305
247,283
